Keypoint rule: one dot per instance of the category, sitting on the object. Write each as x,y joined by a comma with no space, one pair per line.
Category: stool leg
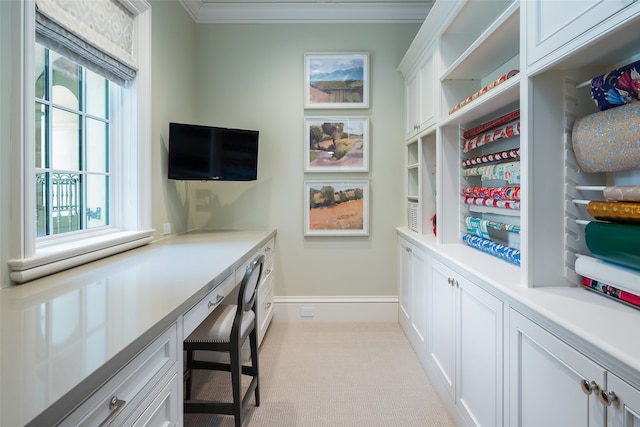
236,383
189,372
253,341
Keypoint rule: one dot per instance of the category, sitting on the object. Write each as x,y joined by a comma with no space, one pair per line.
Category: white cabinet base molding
335,309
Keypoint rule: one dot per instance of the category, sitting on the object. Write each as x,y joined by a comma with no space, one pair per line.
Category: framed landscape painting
336,208
336,80
336,144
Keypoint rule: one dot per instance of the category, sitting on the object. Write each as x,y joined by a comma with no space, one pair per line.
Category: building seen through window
72,131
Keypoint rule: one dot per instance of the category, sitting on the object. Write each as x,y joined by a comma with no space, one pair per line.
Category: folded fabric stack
484,90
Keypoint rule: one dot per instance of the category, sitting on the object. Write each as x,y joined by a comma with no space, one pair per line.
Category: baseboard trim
336,309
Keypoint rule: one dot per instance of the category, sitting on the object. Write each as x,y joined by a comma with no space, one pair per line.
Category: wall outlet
166,228
306,311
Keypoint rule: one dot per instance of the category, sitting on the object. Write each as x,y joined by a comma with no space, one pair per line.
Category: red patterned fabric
503,132
498,193
493,157
484,90
509,117
481,201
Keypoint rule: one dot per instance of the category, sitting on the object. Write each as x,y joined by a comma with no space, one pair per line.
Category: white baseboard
335,309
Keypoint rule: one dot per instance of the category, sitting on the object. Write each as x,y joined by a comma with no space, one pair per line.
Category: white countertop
62,336
605,330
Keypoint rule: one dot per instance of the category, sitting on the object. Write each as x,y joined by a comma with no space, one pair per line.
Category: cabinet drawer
264,306
268,250
160,408
202,309
120,396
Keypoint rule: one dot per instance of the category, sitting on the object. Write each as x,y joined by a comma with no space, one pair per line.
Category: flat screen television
208,153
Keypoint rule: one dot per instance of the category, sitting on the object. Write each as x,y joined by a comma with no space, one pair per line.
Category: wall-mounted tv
209,153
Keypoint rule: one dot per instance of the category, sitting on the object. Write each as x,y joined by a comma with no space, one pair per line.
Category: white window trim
132,220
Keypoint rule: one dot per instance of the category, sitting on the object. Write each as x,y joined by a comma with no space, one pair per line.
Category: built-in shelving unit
476,42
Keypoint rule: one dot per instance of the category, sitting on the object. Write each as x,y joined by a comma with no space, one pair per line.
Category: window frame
130,166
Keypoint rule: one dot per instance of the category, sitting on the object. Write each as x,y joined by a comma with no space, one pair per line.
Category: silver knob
218,299
607,398
589,387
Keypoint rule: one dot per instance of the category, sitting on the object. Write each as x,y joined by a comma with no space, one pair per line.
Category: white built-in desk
64,336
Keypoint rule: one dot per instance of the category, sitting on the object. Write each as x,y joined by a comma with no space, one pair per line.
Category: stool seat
216,328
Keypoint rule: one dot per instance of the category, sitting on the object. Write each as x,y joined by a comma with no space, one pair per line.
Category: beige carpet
331,374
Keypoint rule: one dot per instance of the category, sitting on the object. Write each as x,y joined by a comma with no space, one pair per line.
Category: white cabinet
131,396
551,383
264,305
624,411
412,312
465,344
546,378
420,101
555,23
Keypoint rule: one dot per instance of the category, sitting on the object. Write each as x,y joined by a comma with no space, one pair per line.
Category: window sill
51,259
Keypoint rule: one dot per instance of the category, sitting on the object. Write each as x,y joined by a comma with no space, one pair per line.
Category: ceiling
307,11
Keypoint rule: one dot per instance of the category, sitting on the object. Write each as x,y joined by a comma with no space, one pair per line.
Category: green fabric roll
616,243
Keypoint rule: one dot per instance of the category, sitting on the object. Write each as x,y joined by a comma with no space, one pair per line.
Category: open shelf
498,44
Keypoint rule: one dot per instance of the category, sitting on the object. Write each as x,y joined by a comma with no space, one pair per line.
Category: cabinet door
545,380
554,23
163,409
413,295
404,312
411,94
626,412
419,300
479,385
441,323
426,98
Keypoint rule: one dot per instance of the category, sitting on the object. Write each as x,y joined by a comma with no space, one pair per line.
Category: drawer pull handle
589,387
115,406
218,299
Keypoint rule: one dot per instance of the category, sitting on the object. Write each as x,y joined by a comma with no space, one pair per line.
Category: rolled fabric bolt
609,140
616,243
618,87
621,212
622,193
502,120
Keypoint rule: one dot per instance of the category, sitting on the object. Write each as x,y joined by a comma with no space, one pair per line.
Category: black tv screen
212,153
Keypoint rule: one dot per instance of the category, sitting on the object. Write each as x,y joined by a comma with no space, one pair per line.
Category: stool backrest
249,284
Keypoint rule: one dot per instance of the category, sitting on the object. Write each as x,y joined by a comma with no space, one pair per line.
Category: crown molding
307,12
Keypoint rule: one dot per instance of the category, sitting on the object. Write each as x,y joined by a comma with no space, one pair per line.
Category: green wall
251,76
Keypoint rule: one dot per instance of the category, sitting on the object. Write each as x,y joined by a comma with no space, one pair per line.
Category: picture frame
346,214
336,144
336,80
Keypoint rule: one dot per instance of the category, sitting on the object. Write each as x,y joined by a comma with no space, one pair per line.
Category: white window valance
97,34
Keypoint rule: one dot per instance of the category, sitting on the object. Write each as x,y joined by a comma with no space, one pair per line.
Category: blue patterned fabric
618,87
496,249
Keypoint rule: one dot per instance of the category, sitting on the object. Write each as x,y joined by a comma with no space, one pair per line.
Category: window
71,146
81,181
